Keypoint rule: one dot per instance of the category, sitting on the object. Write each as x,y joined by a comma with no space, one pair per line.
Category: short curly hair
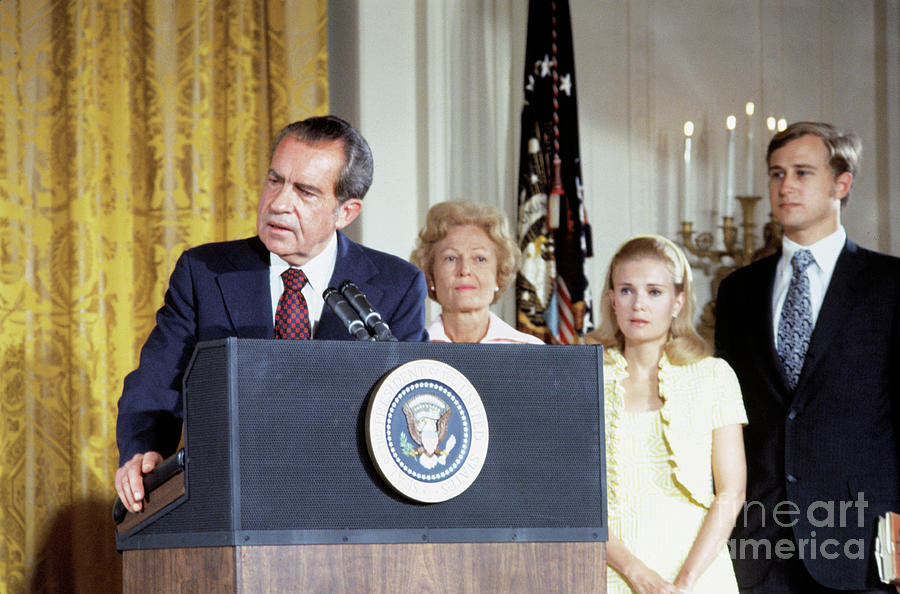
446,215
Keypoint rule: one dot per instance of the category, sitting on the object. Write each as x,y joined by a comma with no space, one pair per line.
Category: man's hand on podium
130,479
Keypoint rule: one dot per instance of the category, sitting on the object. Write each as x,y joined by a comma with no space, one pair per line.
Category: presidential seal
427,431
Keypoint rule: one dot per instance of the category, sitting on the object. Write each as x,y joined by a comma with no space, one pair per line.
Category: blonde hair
684,345
446,215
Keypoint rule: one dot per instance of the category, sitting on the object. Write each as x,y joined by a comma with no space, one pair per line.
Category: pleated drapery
130,130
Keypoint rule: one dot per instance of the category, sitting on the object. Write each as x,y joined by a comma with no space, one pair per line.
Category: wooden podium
279,492
411,567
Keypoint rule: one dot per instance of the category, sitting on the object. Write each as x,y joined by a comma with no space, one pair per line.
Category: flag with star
552,293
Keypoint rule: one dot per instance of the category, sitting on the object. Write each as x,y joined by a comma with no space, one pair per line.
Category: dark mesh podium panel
277,453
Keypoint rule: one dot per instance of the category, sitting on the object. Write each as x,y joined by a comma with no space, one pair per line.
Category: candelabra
721,262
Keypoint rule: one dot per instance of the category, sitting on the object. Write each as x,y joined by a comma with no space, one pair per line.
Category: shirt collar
495,330
437,333
318,270
825,251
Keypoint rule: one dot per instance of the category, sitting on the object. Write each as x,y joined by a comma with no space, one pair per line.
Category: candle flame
782,124
750,108
730,122
770,123
688,128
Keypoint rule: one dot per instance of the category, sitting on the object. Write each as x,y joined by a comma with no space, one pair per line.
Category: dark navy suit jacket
222,289
813,450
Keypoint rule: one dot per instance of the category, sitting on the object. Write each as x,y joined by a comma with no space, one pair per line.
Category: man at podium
266,286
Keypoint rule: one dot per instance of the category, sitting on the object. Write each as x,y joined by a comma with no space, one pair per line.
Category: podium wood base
428,567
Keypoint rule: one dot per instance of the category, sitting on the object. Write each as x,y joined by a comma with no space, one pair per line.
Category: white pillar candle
686,198
728,207
750,109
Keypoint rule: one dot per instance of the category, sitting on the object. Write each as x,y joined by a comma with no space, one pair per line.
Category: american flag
552,293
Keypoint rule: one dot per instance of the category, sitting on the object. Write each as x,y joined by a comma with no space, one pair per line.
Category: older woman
672,413
469,259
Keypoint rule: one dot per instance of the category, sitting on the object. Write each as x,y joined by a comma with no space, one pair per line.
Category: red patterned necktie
292,315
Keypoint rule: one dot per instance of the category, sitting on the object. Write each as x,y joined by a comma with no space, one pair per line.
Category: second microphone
371,318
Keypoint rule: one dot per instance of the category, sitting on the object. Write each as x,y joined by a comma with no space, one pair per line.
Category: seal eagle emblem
427,417
427,430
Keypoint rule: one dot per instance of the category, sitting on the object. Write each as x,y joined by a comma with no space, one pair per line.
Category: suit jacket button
792,414
791,478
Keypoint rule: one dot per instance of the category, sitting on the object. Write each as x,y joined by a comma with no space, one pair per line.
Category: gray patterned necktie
796,325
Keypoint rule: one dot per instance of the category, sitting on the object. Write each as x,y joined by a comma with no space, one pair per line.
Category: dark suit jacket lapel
355,265
244,284
838,302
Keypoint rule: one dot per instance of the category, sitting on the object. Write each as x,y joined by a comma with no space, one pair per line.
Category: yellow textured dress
659,466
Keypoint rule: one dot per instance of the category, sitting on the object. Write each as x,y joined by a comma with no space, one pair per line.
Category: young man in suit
813,333
321,168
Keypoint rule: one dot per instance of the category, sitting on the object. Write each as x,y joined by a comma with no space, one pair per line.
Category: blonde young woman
673,412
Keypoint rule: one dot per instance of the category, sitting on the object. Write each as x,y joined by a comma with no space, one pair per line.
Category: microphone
346,314
370,317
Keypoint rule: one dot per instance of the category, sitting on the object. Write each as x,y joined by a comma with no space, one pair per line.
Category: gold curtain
130,130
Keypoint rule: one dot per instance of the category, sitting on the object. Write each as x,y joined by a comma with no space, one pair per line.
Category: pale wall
435,87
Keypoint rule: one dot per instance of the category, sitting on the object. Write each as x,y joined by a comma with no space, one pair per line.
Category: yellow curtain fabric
130,130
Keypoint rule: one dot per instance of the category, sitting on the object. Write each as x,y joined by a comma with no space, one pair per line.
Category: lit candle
782,124
686,204
730,123
750,109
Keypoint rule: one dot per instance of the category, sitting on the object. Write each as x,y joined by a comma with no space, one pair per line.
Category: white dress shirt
318,272
498,332
826,252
